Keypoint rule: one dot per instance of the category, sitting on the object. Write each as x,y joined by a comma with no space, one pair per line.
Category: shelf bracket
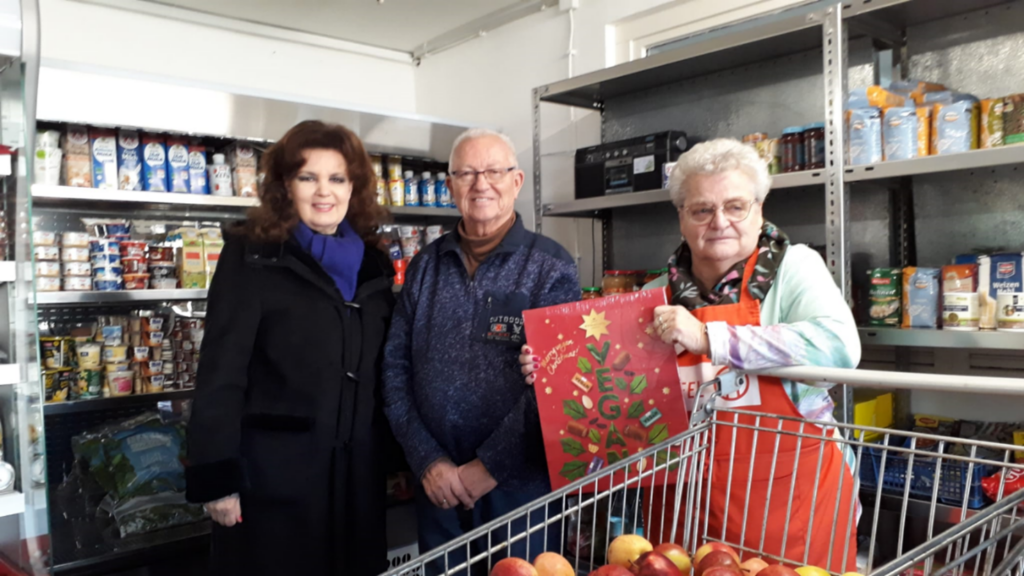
538,209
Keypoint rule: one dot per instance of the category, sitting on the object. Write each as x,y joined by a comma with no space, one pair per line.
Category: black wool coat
288,413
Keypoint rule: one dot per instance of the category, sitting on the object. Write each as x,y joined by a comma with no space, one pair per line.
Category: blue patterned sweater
452,384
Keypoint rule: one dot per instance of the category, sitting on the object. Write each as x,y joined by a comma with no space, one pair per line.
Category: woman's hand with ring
676,325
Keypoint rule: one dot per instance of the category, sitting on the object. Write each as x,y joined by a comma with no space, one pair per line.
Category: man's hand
477,480
226,511
444,487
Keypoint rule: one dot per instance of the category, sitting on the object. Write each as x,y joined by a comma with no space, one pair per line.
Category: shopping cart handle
899,380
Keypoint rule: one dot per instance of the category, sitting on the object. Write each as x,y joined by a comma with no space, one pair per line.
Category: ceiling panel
396,24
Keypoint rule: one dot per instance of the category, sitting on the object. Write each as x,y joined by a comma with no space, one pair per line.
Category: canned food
77,283
133,249
107,285
164,283
136,281
104,260
43,238
44,284
162,254
77,269
74,240
47,269
44,253
75,255
115,354
105,246
90,355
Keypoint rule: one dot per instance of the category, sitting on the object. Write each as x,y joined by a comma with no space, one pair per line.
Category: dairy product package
955,127
177,165
220,177
921,297
154,163
47,165
213,244
129,160
197,181
241,155
103,144
990,123
865,136
900,134
77,170
245,182
75,141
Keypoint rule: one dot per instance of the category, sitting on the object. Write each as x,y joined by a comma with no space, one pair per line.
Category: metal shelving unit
117,297
96,404
942,339
424,212
43,195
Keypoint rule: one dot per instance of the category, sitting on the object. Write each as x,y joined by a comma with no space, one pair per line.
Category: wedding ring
446,502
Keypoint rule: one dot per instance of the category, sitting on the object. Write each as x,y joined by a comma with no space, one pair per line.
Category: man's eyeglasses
493,175
734,211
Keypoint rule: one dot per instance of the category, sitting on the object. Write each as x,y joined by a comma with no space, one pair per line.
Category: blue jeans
437,527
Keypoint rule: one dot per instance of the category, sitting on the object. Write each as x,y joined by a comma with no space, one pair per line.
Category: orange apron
807,467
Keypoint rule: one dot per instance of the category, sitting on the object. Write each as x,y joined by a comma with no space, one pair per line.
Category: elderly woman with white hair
743,298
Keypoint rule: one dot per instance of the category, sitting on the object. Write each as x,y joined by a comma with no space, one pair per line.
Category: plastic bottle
412,189
444,196
220,177
428,196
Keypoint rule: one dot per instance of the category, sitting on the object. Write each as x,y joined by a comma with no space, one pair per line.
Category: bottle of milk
220,177
444,196
412,192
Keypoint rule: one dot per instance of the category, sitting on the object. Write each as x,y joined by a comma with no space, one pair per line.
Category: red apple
625,549
655,564
513,567
710,546
551,564
677,554
751,566
723,571
777,570
611,570
716,558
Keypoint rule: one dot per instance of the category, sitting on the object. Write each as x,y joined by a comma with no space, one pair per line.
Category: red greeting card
607,387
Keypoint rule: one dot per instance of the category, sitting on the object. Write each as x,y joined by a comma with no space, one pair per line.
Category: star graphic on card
595,324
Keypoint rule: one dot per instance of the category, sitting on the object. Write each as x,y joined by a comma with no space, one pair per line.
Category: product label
104,162
177,167
129,162
154,166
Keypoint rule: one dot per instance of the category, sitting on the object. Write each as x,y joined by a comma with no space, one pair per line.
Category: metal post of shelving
537,200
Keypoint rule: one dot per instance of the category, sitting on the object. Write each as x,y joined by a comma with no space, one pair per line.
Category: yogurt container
77,283
75,255
44,253
44,238
108,273
74,240
76,269
1010,311
105,246
51,269
107,285
105,260
46,284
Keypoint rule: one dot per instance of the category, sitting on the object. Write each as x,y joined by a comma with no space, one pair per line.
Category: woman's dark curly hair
275,218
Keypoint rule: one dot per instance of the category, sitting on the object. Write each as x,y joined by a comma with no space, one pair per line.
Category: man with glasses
453,390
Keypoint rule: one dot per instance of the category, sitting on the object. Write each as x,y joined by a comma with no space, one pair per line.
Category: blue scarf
340,255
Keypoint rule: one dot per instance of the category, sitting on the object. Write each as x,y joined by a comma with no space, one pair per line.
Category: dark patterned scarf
771,248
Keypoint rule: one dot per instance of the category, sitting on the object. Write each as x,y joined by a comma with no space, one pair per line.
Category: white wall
490,80
95,36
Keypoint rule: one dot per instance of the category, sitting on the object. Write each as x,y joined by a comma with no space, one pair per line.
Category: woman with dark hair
287,428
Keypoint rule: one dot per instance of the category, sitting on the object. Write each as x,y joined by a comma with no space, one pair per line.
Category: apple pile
632,555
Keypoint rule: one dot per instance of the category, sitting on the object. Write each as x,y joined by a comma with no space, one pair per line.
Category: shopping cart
930,505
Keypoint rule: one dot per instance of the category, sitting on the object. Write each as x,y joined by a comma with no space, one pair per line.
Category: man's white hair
715,157
473,134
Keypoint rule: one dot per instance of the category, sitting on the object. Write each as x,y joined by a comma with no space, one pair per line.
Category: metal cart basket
907,483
